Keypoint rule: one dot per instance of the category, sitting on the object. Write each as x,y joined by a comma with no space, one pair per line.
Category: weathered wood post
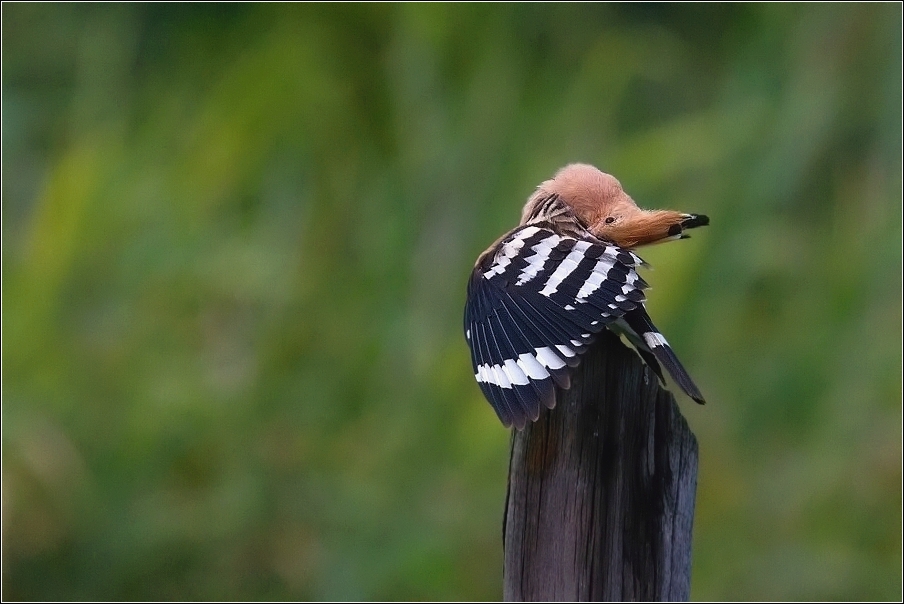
601,490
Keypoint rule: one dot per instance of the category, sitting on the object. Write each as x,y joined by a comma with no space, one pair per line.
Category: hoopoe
538,295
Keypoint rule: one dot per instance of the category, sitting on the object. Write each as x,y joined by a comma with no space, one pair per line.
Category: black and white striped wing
534,305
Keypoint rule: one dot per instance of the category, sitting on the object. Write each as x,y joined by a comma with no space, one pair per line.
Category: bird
541,292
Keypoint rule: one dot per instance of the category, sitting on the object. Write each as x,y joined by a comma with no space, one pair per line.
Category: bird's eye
610,220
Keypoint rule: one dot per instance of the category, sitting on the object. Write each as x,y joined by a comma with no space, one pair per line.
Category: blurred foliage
235,246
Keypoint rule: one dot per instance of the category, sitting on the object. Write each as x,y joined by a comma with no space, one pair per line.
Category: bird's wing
534,303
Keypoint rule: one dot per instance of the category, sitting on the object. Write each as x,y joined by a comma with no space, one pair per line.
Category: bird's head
601,205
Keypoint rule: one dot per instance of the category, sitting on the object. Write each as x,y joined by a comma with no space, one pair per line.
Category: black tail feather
640,322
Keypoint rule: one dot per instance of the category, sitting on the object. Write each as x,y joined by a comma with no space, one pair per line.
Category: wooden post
601,491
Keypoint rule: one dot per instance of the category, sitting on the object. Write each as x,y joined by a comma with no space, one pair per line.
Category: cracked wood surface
601,493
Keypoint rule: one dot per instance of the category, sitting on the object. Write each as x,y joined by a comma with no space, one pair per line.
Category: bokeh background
236,240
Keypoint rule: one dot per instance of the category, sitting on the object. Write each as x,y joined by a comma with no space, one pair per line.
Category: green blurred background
236,240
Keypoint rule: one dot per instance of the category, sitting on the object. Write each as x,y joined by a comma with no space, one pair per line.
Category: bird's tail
640,322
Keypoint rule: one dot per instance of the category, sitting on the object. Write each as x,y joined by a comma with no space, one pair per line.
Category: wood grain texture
601,493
